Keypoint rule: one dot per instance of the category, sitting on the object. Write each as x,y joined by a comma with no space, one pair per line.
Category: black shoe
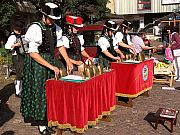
50,130
44,132
18,95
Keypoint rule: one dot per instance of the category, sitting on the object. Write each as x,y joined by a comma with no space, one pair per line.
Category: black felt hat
18,25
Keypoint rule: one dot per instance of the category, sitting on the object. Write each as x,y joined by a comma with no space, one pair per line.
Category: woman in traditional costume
107,45
41,64
123,38
73,42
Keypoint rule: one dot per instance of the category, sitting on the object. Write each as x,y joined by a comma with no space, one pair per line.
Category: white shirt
119,36
104,43
34,37
66,42
10,42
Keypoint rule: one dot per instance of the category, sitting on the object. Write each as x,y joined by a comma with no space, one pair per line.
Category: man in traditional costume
14,43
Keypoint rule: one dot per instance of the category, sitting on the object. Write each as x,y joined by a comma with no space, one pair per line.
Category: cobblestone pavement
124,120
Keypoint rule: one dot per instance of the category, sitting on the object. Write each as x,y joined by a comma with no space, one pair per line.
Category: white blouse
119,36
10,42
34,37
104,43
66,42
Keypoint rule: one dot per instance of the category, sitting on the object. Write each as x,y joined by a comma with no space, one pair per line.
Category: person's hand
55,69
169,46
133,49
90,58
69,66
16,44
154,50
79,63
122,55
174,42
117,58
160,46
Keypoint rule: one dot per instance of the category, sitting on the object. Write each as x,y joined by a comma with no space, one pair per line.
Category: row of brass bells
90,70
140,57
62,73
119,61
130,57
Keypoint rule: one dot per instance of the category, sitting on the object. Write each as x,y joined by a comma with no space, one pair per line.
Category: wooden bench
161,120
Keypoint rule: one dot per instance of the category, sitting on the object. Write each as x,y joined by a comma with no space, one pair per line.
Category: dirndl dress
33,104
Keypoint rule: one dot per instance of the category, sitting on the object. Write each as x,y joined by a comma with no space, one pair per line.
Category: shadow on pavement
151,119
177,88
6,92
5,113
8,133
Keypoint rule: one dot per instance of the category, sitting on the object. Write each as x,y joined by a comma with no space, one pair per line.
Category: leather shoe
44,132
50,130
18,95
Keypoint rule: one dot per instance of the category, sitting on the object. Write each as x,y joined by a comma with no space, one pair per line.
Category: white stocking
42,128
18,86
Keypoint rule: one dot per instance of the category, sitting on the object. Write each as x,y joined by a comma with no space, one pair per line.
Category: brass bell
127,57
140,57
119,61
89,72
95,70
63,72
100,69
81,68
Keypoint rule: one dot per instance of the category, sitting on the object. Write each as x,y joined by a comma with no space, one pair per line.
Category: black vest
74,50
124,40
49,38
110,49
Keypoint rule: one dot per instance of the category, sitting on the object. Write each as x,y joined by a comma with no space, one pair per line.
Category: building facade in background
142,12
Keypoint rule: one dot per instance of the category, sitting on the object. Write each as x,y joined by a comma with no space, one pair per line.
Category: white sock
20,86
17,87
42,128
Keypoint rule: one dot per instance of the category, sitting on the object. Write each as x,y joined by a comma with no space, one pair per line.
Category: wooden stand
169,80
127,103
128,100
59,132
168,73
106,119
161,120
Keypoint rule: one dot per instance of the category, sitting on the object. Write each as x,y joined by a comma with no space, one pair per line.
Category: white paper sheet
73,77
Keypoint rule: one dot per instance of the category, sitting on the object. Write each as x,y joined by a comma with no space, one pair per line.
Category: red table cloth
77,105
133,79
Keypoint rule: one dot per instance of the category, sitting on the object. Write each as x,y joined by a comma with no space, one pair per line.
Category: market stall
133,79
164,73
76,105
170,18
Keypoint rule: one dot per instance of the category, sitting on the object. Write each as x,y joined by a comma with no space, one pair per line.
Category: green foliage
5,56
6,12
85,8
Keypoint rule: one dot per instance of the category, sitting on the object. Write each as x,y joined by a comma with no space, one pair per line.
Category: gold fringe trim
80,130
133,95
92,123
